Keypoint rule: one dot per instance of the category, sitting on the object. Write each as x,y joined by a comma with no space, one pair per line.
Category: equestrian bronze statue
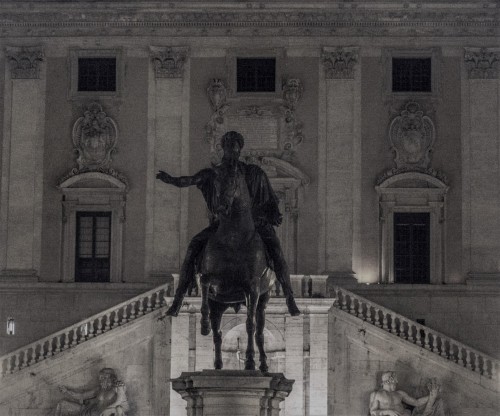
239,254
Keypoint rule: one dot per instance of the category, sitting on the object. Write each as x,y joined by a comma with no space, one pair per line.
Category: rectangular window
93,247
96,74
256,74
411,75
411,247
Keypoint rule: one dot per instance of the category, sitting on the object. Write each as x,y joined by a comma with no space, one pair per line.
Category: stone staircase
420,335
134,328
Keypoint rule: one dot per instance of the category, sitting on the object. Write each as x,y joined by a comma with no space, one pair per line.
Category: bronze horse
234,269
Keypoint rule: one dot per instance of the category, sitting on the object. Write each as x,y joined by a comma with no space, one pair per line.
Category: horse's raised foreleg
260,320
252,299
216,311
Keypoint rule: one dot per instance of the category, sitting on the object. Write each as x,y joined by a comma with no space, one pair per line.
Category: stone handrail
420,335
82,331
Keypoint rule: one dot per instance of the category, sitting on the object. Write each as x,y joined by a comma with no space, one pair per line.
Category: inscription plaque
260,132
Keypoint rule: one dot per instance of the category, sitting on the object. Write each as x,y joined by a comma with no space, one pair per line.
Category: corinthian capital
168,62
482,63
24,61
340,62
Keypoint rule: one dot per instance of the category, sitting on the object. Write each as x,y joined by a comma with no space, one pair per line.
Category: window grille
411,75
96,74
256,74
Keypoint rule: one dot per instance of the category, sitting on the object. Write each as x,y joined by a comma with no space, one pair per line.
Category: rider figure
264,211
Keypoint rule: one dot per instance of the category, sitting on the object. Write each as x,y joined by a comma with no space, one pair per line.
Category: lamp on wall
11,326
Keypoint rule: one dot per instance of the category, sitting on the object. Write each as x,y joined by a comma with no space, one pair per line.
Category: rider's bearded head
232,142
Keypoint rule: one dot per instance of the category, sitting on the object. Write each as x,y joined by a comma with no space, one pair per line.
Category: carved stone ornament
270,128
340,62
412,136
25,61
169,62
482,63
94,138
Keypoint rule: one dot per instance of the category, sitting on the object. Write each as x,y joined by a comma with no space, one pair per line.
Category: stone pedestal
232,392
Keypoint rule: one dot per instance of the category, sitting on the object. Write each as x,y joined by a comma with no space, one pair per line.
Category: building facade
377,123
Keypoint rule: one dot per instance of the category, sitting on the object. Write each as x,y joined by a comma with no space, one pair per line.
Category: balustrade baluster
149,304
141,307
411,336
393,328
15,364
157,300
476,363
29,357
22,359
434,346
427,344
352,308
359,312
468,359
124,319
377,319
116,320
133,313
91,327
74,338
494,372
100,324
384,321
59,342
344,301
107,327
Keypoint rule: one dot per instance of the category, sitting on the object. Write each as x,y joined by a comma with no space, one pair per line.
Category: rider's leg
187,270
273,247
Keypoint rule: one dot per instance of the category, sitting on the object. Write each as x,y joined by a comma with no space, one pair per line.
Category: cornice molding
255,19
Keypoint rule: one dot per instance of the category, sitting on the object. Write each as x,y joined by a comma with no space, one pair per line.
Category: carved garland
290,128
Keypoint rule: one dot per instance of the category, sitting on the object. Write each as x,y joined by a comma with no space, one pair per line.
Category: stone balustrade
82,331
415,333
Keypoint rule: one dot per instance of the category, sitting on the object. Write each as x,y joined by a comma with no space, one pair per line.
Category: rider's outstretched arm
180,181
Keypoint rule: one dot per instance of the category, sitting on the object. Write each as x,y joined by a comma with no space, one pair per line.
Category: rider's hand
163,176
278,219
63,389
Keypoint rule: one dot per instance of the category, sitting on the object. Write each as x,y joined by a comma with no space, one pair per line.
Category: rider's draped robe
265,209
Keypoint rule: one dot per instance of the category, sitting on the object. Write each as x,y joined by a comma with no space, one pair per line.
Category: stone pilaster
22,159
339,160
179,358
481,162
168,148
294,344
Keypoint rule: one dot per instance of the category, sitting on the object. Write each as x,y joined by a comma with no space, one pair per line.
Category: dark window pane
93,247
97,74
256,74
411,75
411,247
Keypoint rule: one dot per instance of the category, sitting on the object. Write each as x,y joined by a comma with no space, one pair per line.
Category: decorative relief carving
412,136
270,128
25,61
482,63
169,62
94,137
339,63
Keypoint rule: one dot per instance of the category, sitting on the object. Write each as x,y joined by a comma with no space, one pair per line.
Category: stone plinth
232,392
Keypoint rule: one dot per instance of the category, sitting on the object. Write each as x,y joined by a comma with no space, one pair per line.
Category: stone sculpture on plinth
108,399
238,257
388,401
